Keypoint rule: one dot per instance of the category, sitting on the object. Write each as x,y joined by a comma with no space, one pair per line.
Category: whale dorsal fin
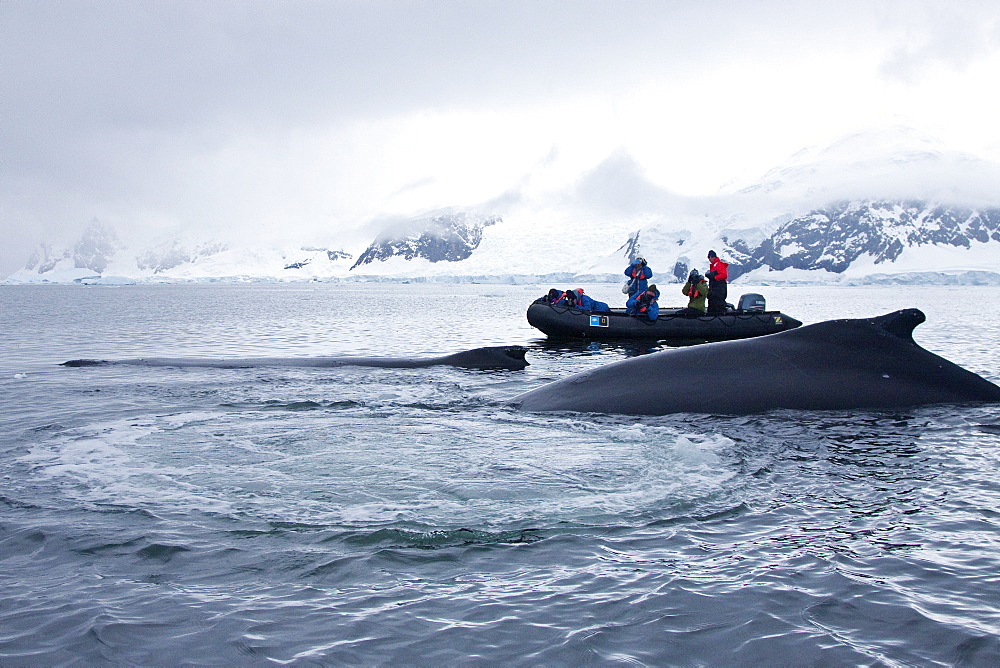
900,323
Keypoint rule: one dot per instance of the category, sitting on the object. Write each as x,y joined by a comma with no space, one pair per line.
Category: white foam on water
578,472
665,468
100,464
360,468
700,451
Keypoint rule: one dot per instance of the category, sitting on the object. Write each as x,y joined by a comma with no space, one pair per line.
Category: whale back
486,358
837,364
490,357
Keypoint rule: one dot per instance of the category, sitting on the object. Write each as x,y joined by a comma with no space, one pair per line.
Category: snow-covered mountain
889,206
836,238
443,237
91,252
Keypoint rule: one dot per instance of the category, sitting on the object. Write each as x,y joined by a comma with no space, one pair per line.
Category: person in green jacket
696,290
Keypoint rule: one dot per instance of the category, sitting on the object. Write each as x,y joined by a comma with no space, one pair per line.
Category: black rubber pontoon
561,322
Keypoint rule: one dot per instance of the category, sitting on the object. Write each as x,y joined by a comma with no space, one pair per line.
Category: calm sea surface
406,516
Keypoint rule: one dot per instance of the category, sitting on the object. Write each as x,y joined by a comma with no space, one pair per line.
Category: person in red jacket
717,275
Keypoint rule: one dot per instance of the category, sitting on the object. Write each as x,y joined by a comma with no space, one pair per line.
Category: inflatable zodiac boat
750,318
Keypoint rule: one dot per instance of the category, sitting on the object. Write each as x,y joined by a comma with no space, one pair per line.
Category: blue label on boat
599,321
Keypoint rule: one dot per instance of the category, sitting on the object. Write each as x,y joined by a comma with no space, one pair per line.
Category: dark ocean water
406,516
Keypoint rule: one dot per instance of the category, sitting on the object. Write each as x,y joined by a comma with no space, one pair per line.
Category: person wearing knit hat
696,290
644,304
718,277
638,276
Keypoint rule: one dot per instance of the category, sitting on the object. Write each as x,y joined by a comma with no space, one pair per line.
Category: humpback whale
869,363
491,357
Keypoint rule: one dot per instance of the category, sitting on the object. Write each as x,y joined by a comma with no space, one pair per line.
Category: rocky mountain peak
445,237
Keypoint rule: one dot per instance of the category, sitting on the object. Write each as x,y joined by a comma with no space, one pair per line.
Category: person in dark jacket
552,296
638,276
644,303
718,276
696,290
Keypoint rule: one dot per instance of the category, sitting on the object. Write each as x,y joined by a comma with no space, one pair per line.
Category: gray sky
271,117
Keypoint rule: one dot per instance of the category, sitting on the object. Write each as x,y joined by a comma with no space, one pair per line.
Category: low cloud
258,119
942,35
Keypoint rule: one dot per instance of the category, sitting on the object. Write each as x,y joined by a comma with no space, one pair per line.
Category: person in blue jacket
588,303
577,299
644,303
638,276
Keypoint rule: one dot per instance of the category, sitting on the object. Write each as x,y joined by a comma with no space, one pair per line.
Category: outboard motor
752,303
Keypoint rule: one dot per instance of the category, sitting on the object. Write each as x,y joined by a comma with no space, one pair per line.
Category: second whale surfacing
490,357
871,363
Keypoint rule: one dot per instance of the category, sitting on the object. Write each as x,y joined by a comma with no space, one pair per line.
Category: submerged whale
834,365
492,357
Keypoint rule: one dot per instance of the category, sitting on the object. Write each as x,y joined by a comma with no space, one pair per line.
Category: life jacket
570,297
638,270
645,301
